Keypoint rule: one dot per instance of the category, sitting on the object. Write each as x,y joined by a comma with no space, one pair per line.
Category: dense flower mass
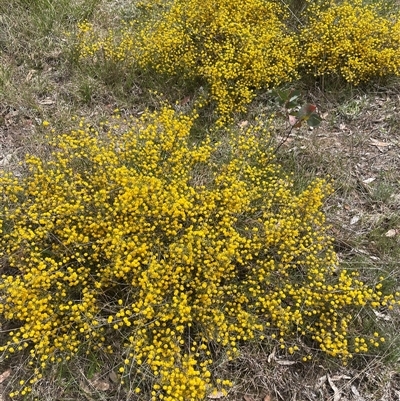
350,39
236,47
173,247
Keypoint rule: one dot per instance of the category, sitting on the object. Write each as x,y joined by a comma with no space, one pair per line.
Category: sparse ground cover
43,79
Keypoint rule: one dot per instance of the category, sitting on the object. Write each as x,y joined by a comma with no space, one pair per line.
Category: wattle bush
235,47
350,39
171,248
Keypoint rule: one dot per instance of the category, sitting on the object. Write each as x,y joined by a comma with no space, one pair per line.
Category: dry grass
357,145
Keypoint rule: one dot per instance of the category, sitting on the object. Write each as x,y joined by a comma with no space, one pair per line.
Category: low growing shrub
350,39
140,237
235,47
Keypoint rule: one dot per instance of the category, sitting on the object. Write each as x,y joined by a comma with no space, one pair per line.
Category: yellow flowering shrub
234,46
237,47
115,47
133,234
350,39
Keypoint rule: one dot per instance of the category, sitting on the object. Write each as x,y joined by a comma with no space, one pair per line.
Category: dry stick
284,140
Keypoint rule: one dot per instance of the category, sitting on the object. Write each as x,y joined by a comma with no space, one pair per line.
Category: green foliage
295,110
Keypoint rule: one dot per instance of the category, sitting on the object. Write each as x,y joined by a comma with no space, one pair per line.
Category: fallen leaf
113,377
379,144
369,180
391,233
336,393
382,316
363,251
356,393
320,382
101,385
5,375
271,356
85,388
216,395
292,120
46,102
354,220
285,363
185,100
5,161
285,140
340,377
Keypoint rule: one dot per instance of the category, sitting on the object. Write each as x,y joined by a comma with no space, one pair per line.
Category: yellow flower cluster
236,47
108,46
350,39
135,232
